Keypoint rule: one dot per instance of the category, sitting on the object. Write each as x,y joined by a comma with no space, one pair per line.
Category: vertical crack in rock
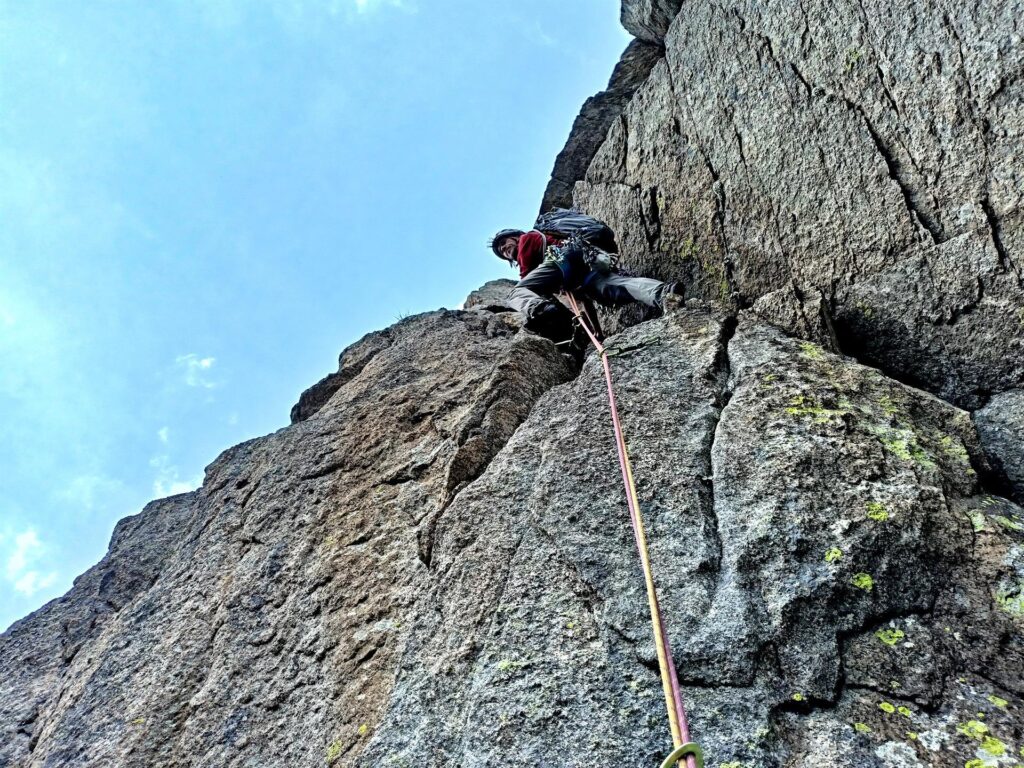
724,373
995,228
918,212
485,433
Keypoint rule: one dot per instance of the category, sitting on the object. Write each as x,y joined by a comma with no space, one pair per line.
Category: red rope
678,721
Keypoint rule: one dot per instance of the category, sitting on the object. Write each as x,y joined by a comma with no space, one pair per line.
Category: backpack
565,224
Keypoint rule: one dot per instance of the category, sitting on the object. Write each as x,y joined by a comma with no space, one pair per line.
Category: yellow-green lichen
798,697
334,751
733,764
863,581
974,729
877,511
977,520
508,666
998,701
811,350
887,405
905,711
902,443
912,735
834,555
853,56
801,405
886,707
897,446
890,636
1011,599
688,251
363,729
975,763
1008,523
993,746
861,728
955,449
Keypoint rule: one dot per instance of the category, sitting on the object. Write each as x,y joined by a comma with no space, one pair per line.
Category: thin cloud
196,370
89,492
164,434
34,581
168,480
20,566
366,6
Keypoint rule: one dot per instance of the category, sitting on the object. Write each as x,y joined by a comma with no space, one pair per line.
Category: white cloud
33,582
26,549
163,433
18,568
168,481
535,33
90,492
196,370
298,17
365,6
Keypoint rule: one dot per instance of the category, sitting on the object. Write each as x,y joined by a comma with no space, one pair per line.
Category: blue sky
204,201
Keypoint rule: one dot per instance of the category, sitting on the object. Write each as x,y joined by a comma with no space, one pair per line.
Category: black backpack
564,224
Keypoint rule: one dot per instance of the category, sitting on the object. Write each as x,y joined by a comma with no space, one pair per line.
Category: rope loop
687,749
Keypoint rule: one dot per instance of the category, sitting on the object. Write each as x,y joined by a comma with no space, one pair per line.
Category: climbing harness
678,724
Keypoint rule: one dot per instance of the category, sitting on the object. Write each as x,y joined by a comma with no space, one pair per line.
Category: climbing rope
677,721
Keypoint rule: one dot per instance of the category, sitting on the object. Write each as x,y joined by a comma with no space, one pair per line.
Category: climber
548,265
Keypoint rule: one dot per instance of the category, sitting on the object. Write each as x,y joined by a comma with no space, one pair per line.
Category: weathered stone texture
433,564
255,621
491,295
591,125
649,19
1001,427
864,151
784,563
436,568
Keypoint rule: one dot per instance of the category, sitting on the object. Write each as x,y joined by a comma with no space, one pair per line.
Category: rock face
491,295
649,19
865,152
436,567
1001,425
256,621
433,565
591,125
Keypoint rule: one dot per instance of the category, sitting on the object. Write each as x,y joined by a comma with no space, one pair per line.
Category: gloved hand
572,260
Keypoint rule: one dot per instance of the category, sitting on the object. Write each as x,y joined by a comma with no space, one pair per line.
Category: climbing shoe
551,320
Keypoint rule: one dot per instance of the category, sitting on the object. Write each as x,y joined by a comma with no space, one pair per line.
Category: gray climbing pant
607,288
